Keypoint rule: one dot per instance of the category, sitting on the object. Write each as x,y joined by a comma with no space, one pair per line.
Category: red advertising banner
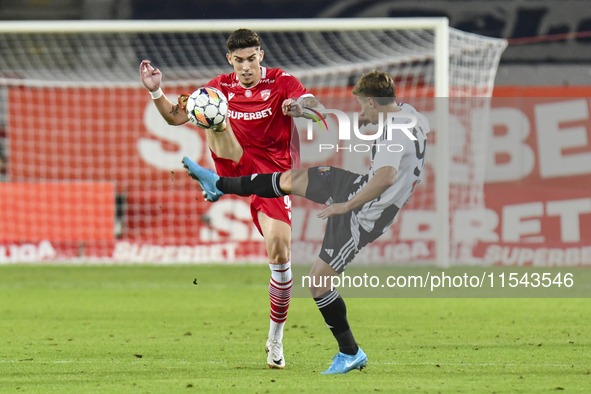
61,211
537,186
116,135
538,178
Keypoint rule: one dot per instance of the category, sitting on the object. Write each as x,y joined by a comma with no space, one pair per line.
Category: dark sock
262,185
334,311
347,342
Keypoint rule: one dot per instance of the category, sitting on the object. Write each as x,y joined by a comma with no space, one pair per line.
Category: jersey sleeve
214,83
293,88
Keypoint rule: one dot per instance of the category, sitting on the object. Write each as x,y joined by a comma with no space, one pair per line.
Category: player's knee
316,291
320,287
315,285
298,181
285,182
279,257
279,252
321,278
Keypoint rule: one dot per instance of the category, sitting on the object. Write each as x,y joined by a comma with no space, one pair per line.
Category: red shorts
276,208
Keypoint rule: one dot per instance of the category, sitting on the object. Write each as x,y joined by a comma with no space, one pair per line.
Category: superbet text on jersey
256,117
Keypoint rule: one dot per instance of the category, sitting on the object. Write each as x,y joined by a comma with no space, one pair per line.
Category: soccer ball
207,107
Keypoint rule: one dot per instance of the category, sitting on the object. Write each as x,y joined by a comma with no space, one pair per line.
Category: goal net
94,174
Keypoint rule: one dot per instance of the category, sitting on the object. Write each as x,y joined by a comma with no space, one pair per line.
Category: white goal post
104,55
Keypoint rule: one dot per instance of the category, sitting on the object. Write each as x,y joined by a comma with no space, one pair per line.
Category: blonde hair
376,84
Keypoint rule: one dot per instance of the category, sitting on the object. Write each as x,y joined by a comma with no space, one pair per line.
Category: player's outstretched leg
206,178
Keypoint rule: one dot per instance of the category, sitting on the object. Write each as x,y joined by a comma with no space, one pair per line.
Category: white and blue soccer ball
207,107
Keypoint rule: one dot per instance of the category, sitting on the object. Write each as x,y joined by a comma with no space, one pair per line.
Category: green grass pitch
149,329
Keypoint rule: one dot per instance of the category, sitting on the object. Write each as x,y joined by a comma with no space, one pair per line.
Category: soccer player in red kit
255,138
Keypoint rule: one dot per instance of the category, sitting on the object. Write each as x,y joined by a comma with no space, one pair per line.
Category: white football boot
274,349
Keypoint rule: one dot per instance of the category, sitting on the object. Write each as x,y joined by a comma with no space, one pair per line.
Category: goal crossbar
172,26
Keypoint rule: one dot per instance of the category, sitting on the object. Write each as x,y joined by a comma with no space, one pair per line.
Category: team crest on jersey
265,94
230,95
248,93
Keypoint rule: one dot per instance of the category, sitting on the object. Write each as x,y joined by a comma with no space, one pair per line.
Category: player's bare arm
296,109
382,180
310,102
170,111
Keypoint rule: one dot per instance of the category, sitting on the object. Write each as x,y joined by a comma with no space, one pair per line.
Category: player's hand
362,120
292,108
333,209
151,77
221,127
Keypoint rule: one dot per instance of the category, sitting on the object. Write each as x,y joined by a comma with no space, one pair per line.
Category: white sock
280,294
276,330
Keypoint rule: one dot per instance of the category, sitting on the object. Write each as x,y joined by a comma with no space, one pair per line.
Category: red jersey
257,120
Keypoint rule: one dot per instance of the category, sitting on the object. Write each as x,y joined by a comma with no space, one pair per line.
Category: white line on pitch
293,363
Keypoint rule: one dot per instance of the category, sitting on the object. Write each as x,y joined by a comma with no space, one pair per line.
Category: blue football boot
344,363
206,178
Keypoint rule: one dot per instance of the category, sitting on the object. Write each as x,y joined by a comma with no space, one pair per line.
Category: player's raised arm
170,111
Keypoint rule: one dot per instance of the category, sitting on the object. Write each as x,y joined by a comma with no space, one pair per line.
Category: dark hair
376,84
242,38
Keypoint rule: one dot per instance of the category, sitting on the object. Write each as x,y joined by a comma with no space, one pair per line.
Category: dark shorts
327,185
